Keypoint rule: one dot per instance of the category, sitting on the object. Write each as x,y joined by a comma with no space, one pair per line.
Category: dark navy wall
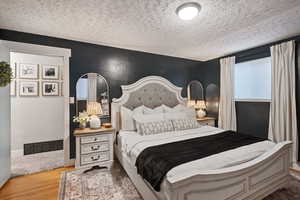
118,66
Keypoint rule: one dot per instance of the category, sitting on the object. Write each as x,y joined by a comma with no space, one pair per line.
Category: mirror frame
108,92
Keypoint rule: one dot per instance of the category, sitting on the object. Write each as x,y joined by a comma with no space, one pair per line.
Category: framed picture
29,71
13,70
28,88
13,88
50,88
50,72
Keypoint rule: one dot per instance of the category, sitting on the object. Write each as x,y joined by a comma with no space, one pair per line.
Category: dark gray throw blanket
154,162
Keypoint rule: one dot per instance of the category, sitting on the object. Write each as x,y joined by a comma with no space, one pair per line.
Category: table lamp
200,108
94,110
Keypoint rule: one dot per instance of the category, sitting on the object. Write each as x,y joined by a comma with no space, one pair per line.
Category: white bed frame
255,179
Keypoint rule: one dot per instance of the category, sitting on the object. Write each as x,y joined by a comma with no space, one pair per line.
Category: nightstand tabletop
206,118
89,131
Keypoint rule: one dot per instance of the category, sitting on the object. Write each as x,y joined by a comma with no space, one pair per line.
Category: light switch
72,100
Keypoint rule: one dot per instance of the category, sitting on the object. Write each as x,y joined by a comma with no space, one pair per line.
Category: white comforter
133,144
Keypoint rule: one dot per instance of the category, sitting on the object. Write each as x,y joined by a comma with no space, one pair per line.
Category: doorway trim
43,50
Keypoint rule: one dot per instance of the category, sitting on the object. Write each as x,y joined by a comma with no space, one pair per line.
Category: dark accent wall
118,66
253,118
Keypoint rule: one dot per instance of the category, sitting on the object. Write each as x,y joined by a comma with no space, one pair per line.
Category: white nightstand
207,121
94,147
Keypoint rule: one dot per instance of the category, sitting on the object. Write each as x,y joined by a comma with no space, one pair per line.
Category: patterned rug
116,185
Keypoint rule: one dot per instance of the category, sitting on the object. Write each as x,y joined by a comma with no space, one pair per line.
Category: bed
249,172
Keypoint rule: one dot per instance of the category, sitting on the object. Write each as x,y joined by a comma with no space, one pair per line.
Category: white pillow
160,109
180,112
127,121
144,118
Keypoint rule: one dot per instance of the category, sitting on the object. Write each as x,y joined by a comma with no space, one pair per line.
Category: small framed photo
29,71
50,88
28,88
50,72
13,88
13,70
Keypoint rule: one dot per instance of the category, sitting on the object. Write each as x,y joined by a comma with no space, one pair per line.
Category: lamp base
201,113
95,122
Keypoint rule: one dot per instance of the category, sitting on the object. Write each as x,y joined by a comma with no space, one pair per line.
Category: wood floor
39,186
42,186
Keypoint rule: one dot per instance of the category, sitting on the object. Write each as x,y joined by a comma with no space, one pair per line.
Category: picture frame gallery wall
34,80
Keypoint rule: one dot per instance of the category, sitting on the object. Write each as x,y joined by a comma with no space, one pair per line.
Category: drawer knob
95,148
95,139
95,158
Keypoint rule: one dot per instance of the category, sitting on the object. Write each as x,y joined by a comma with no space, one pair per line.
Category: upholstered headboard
151,91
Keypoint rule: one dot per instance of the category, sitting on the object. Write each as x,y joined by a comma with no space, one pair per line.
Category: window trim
252,100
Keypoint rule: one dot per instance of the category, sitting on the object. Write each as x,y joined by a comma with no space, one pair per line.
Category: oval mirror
212,97
92,95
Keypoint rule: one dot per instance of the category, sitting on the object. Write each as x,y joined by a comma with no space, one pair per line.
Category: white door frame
58,52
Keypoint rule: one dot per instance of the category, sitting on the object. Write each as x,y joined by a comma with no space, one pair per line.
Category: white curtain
283,119
92,87
227,115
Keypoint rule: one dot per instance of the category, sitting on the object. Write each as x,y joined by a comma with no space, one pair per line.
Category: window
252,80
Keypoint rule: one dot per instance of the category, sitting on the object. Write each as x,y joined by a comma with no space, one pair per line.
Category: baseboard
70,162
17,153
2,182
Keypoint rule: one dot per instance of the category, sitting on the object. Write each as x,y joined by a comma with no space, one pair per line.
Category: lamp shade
191,103
200,104
94,108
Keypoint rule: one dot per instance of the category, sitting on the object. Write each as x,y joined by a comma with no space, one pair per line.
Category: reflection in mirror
196,98
92,95
195,90
212,100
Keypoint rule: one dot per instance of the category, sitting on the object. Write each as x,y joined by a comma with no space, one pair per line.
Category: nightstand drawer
94,138
207,123
94,158
94,147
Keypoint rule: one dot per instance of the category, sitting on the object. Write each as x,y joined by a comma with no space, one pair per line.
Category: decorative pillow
180,112
184,124
127,120
159,109
143,118
150,128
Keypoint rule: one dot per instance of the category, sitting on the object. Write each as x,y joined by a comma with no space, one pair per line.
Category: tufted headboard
151,91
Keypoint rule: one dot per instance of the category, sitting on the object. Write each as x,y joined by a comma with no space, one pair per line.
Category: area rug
114,184
101,184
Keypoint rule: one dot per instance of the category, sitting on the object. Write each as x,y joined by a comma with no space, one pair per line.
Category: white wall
36,119
4,124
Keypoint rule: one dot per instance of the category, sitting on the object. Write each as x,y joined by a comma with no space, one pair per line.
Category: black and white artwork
50,88
50,72
29,71
29,88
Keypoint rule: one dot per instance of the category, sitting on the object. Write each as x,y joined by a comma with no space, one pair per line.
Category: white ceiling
223,26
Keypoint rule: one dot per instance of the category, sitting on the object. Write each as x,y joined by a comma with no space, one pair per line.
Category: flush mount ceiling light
188,11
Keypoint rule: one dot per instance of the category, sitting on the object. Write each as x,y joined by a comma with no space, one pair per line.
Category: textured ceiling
223,26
